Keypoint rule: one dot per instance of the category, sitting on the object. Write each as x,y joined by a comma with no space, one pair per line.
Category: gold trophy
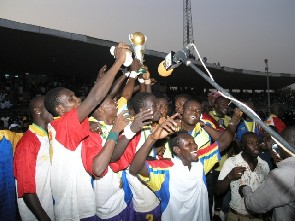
137,40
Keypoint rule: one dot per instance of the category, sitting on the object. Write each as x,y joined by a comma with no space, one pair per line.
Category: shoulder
231,161
27,138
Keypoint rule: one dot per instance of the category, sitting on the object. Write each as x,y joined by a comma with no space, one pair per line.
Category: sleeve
209,156
69,131
25,164
158,170
210,121
262,201
90,148
227,167
127,156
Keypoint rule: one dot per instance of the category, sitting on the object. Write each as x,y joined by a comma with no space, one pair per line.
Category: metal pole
267,82
182,56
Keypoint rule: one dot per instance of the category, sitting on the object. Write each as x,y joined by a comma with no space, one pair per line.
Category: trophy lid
137,38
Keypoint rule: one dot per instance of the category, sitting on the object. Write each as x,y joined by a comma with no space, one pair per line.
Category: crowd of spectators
16,93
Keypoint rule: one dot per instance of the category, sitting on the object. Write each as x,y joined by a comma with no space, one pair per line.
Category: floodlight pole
267,82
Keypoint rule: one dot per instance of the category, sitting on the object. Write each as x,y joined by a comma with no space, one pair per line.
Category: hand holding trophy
137,41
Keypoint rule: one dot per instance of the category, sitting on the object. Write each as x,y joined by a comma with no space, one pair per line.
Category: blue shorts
126,215
154,215
92,218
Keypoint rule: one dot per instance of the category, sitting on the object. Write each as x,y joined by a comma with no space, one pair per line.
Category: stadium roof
37,50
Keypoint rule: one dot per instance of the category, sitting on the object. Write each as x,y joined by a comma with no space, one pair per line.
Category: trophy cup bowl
137,40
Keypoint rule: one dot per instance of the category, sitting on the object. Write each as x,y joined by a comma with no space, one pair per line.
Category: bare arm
102,86
137,166
147,81
229,132
215,134
142,87
140,120
116,85
103,158
33,203
129,87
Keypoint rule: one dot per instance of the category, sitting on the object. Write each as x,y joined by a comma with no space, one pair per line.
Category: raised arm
147,81
229,132
141,119
129,87
102,85
103,158
117,85
137,165
215,134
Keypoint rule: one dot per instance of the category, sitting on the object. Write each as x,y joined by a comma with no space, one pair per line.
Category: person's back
278,191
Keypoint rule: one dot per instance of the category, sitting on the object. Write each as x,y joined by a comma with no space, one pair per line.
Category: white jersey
34,141
70,183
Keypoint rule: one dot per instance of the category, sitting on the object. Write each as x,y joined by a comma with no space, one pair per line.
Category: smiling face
186,148
192,111
221,106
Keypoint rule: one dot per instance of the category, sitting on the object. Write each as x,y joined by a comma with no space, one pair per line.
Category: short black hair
245,135
174,140
139,100
186,96
52,100
192,100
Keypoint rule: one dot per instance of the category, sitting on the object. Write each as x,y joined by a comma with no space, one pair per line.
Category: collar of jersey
37,130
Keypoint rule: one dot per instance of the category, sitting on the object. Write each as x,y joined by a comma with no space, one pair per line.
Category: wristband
133,74
113,136
128,132
127,74
148,81
140,80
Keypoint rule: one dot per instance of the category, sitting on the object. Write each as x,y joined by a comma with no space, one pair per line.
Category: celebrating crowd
121,154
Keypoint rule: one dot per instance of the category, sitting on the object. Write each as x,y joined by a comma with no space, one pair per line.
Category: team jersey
70,183
32,171
201,137
8,208
273,120
246,126
112,192
221,121
209,120
182,192
144,200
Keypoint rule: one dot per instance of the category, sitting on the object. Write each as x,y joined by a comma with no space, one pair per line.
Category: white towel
128,59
